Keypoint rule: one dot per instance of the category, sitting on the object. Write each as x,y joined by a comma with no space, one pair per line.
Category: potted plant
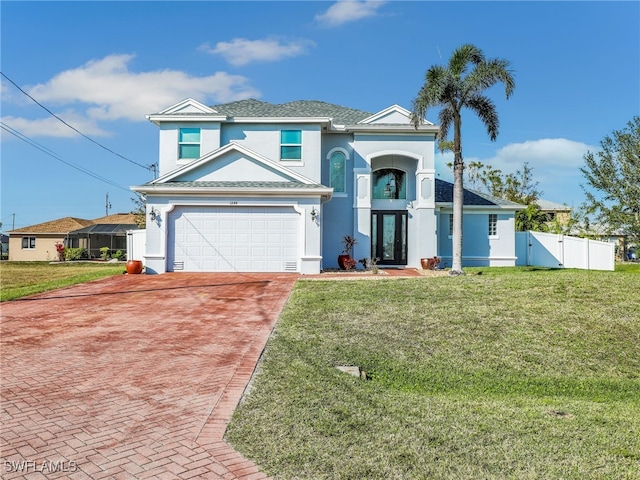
345,261
430,263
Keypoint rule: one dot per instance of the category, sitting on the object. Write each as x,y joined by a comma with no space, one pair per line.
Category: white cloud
346,11
543,155
107,90
241,51
555,162
51,127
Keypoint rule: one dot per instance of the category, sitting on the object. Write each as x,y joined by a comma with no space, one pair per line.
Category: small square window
493,224
291,145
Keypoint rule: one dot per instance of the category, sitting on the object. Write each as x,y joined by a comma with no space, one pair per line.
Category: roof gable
230,163
188,105
394,114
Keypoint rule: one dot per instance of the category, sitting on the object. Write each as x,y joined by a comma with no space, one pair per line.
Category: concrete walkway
133,377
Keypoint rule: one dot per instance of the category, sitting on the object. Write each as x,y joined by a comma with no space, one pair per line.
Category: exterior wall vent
177,266
290,266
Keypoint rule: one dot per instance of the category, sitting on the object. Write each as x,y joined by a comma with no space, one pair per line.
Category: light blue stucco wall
265,140
478,249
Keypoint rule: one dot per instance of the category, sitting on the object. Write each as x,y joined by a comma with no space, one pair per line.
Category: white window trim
28,247
494,236
293,161
182,160
346,159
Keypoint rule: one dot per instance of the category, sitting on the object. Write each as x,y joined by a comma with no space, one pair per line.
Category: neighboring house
109,231
604,233
38,242
555,211
251,186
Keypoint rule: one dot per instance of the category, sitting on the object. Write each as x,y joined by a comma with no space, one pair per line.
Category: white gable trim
233,146
187,105
393,109
188,110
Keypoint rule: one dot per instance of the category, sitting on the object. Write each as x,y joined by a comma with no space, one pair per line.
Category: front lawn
19,279
517,373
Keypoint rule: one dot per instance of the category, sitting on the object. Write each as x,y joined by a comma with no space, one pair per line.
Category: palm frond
486,111
462,57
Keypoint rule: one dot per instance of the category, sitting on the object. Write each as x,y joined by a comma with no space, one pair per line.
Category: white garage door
228,239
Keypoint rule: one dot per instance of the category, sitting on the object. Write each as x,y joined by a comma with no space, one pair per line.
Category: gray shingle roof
444,194
265,185
300,108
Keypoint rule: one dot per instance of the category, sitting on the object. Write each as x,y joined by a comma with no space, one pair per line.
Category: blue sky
102,66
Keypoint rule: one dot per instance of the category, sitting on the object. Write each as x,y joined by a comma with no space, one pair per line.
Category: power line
147,167
34,144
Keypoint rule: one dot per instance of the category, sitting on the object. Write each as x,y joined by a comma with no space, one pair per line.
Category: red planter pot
134,266
345,262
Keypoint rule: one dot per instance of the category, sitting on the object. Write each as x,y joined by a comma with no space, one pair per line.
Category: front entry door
389,236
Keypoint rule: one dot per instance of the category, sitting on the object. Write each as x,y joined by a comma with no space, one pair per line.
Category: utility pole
107,205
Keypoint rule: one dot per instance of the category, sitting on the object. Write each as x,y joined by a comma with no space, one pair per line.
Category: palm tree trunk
458,200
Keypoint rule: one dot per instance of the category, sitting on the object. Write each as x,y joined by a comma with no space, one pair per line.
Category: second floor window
189,147
337,169
291,145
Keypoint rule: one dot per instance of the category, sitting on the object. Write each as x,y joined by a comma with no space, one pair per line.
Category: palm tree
453,88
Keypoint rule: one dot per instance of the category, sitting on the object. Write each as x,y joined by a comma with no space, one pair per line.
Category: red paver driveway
133,376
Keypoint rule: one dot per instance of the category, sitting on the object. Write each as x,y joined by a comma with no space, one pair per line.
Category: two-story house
250,186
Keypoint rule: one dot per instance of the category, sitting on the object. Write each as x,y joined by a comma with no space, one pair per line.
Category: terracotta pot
134,266
425,263
345,262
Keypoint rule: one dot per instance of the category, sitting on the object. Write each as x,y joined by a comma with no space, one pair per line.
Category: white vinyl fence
136,244
561,251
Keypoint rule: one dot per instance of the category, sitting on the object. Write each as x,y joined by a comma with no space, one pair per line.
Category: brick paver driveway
133,376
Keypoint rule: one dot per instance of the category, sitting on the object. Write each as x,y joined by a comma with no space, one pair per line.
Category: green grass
516,373
19,279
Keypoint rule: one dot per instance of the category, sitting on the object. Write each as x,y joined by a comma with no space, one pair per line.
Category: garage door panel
244,239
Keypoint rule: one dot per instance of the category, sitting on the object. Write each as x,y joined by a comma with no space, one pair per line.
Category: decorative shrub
349,242
75,253
118,255
104,253
60,249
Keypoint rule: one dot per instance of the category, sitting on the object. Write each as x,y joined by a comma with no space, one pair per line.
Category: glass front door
389,237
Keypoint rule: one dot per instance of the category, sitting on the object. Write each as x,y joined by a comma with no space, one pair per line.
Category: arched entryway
392,191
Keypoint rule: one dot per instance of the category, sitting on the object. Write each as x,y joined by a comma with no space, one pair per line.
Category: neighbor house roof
71,224
61,225
299,108
120,218
444,194
547,205
106,229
